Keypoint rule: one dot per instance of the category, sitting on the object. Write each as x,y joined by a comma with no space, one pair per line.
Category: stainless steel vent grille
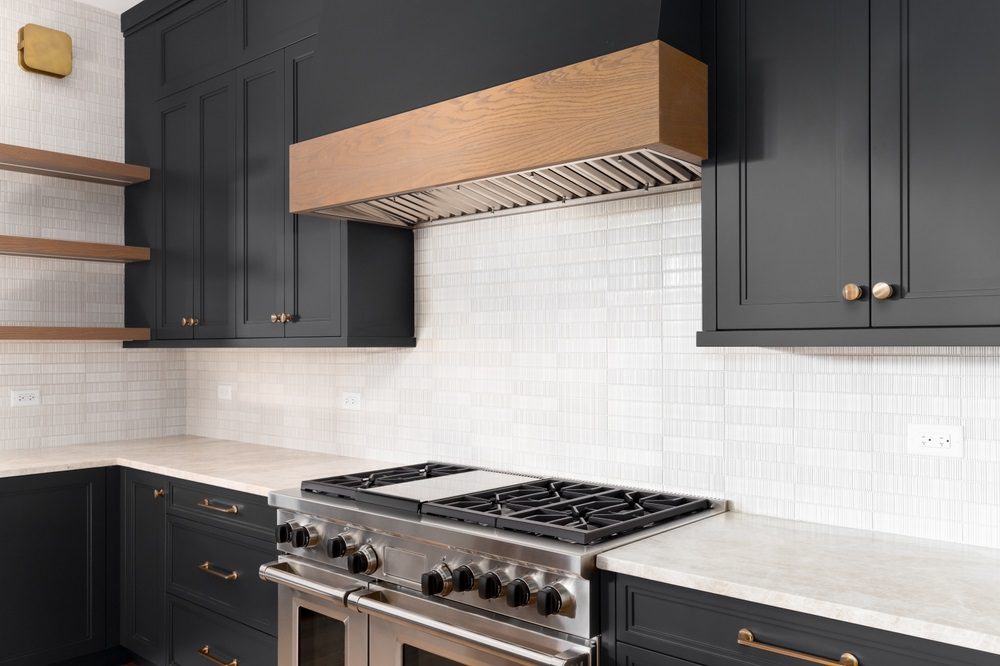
635,172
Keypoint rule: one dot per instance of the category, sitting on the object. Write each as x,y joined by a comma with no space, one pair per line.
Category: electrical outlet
944,441
25,398
350,401
225,392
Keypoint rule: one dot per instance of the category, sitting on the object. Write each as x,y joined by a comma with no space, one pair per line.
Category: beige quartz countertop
249,468
933,590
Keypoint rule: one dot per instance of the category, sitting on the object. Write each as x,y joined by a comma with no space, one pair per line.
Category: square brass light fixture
45,51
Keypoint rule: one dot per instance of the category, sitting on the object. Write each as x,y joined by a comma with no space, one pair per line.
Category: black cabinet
194,255
852,144
653,624
54,601
143,522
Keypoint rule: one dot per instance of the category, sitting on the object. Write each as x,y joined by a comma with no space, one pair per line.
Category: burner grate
574,512
349,485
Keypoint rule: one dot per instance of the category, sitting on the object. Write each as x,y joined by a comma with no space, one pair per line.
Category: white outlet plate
350,401
225,392
943,441
25,397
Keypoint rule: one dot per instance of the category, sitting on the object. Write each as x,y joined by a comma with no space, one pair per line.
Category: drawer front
193,629
218,570
704,628
629,655
228,508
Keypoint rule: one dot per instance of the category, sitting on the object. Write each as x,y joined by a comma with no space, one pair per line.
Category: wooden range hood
632,120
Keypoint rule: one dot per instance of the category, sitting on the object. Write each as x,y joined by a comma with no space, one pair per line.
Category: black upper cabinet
54,596
792,162
935,230
815,183
194,255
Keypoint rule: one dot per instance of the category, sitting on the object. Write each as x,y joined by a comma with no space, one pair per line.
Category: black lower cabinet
653,624
53,603
199,637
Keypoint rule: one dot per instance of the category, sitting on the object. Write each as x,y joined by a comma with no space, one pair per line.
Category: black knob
432,583
490,586
301,537
518,594
283,533
357,563
465,579
549,601
336,547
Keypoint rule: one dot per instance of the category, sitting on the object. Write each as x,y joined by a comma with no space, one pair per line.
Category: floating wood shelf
72,333
73,167
62,249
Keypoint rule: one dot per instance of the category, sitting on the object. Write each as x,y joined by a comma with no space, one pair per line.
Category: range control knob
304,536
341,545
283,532
466,578
521,592
438,581
365,561
554,600
492,585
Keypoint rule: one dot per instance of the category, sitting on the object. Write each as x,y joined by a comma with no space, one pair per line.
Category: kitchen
633,436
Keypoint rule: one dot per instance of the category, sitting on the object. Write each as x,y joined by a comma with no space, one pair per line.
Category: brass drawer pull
207,504
212,570
158,493
746,638
206,652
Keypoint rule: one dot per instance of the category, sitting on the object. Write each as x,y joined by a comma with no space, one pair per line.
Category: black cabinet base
275,343
955,336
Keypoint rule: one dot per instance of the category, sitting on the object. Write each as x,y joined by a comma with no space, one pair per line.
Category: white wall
562,343
90,392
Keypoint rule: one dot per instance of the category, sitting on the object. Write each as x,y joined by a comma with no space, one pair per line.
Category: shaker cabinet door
935,141
261,202
791,163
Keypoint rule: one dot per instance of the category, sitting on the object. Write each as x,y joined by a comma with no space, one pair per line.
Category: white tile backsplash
90,392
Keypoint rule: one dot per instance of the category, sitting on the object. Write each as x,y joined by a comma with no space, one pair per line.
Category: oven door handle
370,603
281,573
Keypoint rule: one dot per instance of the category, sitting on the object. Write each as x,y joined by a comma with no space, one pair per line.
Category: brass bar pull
212,570
158,493
206,652
746,639
207,504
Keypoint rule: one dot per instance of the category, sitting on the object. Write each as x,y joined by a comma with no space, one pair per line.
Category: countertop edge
946,634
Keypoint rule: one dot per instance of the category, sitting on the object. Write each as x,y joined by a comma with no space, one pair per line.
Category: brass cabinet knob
852,292
882,290
158,493
195,322
286,318
184,321
274,319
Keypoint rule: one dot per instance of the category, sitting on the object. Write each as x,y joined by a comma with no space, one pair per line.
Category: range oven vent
628,122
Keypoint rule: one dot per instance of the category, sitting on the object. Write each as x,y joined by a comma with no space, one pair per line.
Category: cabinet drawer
629,655
194,629
703,628
218,569
228,508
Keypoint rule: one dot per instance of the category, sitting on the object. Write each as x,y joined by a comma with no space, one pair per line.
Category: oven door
407,630
315,627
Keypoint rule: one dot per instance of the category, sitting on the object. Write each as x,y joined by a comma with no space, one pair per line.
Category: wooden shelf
62,249
72,333
73,167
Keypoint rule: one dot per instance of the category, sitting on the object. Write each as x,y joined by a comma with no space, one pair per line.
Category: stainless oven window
322,640
413,656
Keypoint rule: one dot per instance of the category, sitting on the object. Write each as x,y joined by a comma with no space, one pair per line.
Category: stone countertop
249,468
928,589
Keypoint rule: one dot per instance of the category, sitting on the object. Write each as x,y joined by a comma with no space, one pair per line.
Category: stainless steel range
437,565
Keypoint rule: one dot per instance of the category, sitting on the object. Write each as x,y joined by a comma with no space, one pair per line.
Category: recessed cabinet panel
194,41
935,227
267,26
178,175
792,162
143,624
261,201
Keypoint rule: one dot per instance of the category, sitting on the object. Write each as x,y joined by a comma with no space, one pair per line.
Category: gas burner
349,485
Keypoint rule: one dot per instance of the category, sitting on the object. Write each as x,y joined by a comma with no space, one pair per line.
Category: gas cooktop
579,513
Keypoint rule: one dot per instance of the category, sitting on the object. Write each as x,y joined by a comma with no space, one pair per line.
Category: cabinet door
791,162
935,229
143,547
313,261
53,602
178,176
215,241
261,200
